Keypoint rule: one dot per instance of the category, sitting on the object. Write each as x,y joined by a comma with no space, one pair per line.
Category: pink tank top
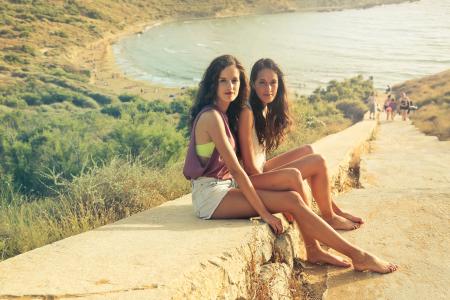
215,167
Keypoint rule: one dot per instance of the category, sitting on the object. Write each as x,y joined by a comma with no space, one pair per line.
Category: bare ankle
357,254
328,217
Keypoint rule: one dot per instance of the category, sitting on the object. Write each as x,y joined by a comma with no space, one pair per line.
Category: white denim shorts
207,193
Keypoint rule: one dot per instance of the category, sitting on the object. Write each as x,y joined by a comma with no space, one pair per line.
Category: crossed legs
312,167
312,227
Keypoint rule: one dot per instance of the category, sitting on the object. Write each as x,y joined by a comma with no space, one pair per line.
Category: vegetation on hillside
64,171
39,40
432,96
75,157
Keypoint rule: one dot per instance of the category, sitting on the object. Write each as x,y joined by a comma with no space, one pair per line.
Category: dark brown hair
271,130
207,90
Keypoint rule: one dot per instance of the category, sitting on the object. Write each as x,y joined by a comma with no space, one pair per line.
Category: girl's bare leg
313,167
291,180
234,205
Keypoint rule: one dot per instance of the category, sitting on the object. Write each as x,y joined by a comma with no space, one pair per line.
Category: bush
352,109
14,59
32,99
159,145
60,33
100,98
128,98
7,33
13,102
112,110
24,49
84,102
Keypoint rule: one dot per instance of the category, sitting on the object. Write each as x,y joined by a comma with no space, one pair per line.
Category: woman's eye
234,81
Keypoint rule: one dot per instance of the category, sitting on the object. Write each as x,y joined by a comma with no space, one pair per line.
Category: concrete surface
405,203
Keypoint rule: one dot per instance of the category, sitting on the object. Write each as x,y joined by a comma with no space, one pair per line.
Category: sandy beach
107,76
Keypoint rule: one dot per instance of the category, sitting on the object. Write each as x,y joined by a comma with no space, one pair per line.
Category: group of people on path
391,107
234,122
402,107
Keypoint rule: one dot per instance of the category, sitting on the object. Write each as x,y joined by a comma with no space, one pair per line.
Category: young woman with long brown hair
262,127
213,168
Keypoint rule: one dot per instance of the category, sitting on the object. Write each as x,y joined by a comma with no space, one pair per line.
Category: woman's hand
274,222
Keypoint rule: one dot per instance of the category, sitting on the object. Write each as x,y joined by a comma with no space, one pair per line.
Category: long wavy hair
207,91
271,129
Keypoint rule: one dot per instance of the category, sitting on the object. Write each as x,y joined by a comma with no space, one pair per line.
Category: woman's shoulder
209,117
246,113
247,109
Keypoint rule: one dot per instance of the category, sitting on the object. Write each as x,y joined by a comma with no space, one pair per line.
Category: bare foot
350,217
368,262
318,256
341,223
289,217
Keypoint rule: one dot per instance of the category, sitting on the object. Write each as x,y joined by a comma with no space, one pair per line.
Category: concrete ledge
166,252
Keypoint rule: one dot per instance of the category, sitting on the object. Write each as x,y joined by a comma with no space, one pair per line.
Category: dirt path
405,203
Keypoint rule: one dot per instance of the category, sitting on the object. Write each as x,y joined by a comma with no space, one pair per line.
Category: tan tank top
259,151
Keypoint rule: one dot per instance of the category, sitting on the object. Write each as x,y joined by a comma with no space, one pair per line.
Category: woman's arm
212,123
245,133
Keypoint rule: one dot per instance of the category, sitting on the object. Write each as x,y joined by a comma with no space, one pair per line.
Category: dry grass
100,196
432,95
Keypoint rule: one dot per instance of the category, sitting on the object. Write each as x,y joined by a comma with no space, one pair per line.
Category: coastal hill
82,145
432,95
42,43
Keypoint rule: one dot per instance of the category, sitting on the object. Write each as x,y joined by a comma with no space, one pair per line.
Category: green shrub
159,145
84,102
128,98
352,109
14,59
112,110
32,99
7,33
100,98
13,102
24,49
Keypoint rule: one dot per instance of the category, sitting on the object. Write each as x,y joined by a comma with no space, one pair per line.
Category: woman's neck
264,110
222,106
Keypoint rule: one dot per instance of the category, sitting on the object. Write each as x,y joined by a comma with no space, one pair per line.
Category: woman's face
266,85
228,85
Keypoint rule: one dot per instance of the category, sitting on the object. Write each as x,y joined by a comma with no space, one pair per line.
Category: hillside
432,95
80,144
43,43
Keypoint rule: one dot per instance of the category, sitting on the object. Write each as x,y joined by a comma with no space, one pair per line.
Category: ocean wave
171,51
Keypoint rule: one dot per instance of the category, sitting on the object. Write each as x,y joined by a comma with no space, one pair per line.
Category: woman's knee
320,160
305,150
294,175
294,201
309,149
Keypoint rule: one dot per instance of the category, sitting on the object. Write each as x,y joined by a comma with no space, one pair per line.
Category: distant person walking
388,89
387,107
404,106
373,106
393,107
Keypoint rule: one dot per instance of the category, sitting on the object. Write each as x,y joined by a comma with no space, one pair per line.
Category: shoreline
109,78
106,74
